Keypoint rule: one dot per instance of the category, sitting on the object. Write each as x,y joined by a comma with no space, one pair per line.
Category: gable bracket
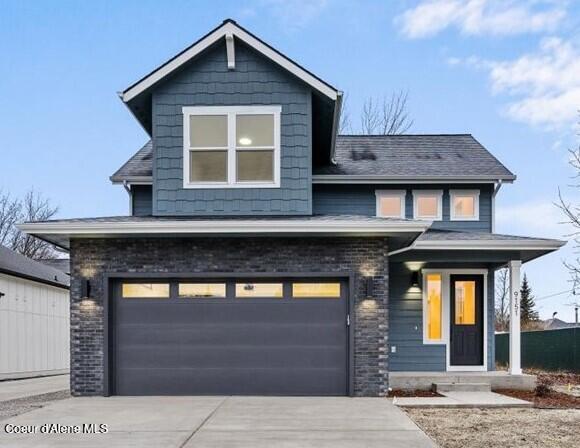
231,52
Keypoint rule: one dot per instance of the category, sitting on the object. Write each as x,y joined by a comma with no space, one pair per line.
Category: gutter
335,126
34,279
369,179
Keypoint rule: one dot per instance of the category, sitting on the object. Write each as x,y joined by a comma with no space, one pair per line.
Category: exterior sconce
85,288
369,287
415,279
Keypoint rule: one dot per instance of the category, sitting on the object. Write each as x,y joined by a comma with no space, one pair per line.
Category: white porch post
515,367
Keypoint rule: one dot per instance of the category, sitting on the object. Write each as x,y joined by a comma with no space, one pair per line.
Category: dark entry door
466,320
230,337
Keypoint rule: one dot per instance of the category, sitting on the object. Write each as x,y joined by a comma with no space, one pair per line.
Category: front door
466,332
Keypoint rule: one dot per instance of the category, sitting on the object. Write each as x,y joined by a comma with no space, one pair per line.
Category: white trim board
234,226
227,28
446,302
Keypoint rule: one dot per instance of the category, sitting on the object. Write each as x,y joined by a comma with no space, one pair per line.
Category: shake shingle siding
208,82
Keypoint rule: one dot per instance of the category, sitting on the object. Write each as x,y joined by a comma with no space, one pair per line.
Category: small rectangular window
202,290
209,166
145,290
427,205
433,308
464,205
316,290
391,204
255,166
250,290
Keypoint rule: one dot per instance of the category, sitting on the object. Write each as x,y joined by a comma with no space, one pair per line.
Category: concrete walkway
13,389
462,400
256,422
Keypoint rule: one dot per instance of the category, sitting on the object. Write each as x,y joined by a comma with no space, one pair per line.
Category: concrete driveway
222,422
14,389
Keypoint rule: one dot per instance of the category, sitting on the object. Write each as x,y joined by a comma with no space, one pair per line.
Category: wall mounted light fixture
415,279
369,287
85,288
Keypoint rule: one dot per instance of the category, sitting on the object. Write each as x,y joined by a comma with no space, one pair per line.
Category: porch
495,379
441,309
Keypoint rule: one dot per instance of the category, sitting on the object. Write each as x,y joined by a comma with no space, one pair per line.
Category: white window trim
401,194
446,302
231,112
421,193
453,194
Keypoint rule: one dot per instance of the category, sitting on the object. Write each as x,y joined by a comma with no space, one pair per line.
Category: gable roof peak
228,27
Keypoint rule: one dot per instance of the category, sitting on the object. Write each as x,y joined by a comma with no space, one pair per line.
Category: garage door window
316,290
202,290
145,290
252,290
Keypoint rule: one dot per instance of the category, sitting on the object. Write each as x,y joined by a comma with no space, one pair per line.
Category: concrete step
461,387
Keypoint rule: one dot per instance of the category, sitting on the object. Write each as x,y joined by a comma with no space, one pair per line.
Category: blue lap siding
406,321
361,200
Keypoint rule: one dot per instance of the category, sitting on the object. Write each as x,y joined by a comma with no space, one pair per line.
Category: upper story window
464,205
391,203
428,204
231,147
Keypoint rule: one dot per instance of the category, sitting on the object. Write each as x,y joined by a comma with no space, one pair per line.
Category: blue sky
506,71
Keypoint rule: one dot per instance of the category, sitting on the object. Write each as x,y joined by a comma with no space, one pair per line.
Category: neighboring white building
34,318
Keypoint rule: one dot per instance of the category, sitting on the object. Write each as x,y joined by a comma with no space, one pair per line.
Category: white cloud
535,218
477,17
544,84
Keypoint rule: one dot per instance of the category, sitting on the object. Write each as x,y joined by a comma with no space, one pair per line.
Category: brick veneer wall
91,258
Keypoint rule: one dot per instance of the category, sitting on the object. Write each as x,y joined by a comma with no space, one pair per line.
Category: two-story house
265,254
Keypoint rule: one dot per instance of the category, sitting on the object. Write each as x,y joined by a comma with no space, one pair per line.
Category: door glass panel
249,290
465,302
202,290
145,290
315,290
434,308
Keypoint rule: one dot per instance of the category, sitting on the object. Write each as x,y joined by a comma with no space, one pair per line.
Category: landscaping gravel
490,428
12,408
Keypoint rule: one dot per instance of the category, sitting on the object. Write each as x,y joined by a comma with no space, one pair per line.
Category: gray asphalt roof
13,263
452,155
129,219
139,165
450,235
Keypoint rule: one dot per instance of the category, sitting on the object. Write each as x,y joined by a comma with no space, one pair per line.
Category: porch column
515,367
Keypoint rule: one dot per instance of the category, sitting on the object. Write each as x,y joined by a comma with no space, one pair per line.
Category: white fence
34,328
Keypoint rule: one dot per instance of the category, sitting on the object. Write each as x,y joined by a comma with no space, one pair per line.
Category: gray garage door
235,336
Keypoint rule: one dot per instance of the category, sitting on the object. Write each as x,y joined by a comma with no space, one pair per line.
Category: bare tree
502,300
572,214
9,216
345,126
388,116
34,207
382,116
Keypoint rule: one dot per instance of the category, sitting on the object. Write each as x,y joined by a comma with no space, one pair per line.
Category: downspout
335,126
496,189
128,190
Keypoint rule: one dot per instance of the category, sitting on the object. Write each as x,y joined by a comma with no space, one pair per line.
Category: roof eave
365,179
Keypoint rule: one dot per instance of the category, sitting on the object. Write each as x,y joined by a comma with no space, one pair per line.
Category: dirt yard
490,428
